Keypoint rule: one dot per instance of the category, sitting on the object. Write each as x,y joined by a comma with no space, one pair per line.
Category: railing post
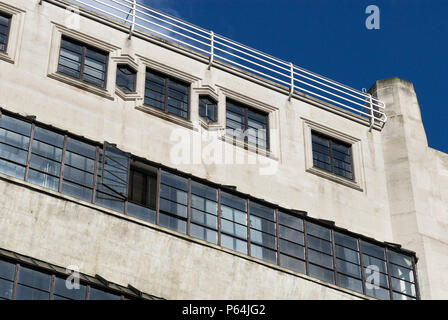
131,29
212,49
291,76
372,115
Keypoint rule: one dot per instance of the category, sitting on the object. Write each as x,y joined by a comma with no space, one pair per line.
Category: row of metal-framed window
111,178
22,282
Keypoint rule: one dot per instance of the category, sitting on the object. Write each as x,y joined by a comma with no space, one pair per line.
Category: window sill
247,146
81,85
166,116
335,178
127,96
5,57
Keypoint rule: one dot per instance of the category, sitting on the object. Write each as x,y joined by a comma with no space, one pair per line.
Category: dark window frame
8,30
167,78
332,140
84,48
134,75
246,109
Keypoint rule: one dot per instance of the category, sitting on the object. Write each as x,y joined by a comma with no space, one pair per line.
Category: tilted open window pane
126,78
115,169
207,109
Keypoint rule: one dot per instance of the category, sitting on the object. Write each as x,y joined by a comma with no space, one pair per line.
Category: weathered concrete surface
417,184
67,233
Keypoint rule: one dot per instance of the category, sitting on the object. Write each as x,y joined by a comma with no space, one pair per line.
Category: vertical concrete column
412,185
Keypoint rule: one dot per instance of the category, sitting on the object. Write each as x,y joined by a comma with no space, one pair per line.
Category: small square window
207,109
5,23
83,62
332,155
126,78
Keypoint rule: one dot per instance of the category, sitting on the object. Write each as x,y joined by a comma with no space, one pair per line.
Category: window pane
290,221
76,191
204,204
47,151
263,253
400,259
348,268
263,239
61,289
320,259
233,215
12,153
203,233
397,296
78,176
321,273
109,201
318,231
204,219
16,125
96,294
262,225
7,270
45,165
234,229
374,262
373,250
25,293
173,208
233,201
11,169
43,180
379,293
262,211
81,148
346,241
319,244
172,223
141,213
291,234
6,289
49,137
350,283
293,264
292,249
401,272
403,287
347,254
14,139
233,244
33,278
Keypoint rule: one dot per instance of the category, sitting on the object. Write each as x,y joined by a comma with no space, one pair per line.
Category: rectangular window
262,232
83,62
204,211
332,155
142,193
207,109
5,22
167,94
246,124
320,252
126,78
234,222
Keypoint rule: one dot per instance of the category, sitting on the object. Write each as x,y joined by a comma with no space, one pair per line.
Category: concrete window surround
56,37
11,54
358,179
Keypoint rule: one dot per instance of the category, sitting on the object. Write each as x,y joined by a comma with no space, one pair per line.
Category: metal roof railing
218,48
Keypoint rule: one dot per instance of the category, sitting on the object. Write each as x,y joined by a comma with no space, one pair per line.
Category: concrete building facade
168,202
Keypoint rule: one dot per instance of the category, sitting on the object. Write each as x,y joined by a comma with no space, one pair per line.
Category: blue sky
329,37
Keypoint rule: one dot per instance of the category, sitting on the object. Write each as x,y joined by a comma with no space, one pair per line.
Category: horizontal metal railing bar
207,42
170,23
363,97
171,30
174,39
257,64
185,23
250,55
252,50
253,70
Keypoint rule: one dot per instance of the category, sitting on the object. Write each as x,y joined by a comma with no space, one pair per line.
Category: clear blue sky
329,37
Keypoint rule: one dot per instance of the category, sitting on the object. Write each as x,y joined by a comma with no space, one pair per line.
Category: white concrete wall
374,209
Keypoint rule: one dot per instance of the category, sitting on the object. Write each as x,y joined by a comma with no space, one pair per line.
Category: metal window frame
167,78
84,47
246,109
134,76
